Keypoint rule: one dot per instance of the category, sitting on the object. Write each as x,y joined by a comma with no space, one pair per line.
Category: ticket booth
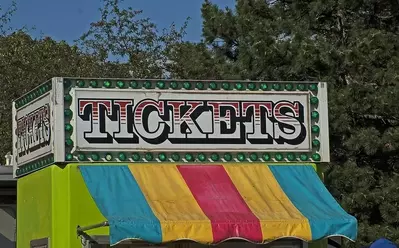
174,163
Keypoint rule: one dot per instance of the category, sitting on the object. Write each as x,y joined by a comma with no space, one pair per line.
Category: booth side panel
83,209
34,208
61,199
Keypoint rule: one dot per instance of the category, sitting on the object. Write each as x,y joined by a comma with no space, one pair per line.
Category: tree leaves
26,62
5,17
353,46
122,34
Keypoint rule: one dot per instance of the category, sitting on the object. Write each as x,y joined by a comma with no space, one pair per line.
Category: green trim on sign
190,85
187,157
33,94
34,166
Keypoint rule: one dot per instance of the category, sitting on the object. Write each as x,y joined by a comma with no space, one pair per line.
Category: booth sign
72,119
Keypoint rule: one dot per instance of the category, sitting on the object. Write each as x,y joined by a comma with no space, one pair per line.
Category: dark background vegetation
351,44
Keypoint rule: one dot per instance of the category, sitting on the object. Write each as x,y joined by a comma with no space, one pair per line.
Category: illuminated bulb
228,157
279,157
239,86
175,157
200,85
187,85
67,98
107,84
162,156
147,84
313,87
95,157
134,85
303,157
80,83
149,156
108,157
201,157
316,157
266,156
252,86
93,84
174,85
301,87
226,86
122,156
314,115
263,86
120,84
213,86
315,129
314,100
68,112
42,90
136,157
161,85
215,157
289,87
82,157
253,156
68,127
291,156
276,86
240,156
68,142
189,157
69,157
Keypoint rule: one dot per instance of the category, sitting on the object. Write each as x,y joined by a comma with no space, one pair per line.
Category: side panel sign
33,131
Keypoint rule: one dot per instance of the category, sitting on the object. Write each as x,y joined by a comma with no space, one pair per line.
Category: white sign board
114,120
33,131
134,120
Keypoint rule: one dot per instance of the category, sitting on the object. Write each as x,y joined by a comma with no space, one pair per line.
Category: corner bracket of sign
152,120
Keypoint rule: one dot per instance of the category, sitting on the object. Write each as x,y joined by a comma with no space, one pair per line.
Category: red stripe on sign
221,202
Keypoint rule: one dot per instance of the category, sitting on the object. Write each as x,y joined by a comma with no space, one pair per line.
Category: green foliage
5,18
193,61
27,62
121,33
353,46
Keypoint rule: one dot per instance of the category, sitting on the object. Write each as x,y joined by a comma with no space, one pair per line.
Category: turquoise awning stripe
308,193
117,196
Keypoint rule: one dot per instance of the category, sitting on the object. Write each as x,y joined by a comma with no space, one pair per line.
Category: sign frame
53,89
63,121
135,96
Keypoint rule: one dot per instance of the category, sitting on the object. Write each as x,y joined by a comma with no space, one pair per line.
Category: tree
26,62
353,46
193,61
5,18
122,34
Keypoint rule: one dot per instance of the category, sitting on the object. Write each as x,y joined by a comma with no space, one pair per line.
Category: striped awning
212,203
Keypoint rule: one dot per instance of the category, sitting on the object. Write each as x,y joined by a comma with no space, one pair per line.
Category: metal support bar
82,230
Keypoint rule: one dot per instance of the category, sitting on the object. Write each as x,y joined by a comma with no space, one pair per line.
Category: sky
68,19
